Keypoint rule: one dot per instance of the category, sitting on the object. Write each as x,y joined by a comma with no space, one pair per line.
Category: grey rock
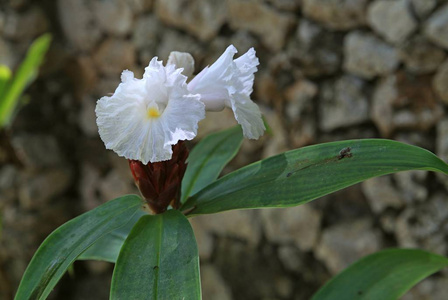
89,187
291,5
423,8
316,51
299,98
412,185
114,17
367,56
145,33
7,54
345,243
275,143
87,117
382,110
25,26
78,24
113,186
299,225
420,56
114,55
213,285
392,19
204,239
140,6
336,14
344,103
269,25
436,27
38,189
201,18
174,41
243,224
424,226
37,151
381,194
440,82
291,258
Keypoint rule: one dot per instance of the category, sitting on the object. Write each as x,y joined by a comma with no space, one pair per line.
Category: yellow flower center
153,113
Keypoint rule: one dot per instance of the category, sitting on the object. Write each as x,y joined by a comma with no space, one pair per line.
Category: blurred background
329,70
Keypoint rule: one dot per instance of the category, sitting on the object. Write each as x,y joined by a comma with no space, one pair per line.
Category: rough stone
382,105
243,224
336,14
78,24
277,142
345,243
412,185
37,190
440,82
215,121
89,187
113,186
7,56
422,8
432,288
424,226
174,41
113,17
391,19
291,5
25,26
299,97
87,117
114,55
299,225
204,239
201,18
344,103
213,285
436,27
145,35
269,25
381,194
420,56
316,51
291,258
37,150
367,56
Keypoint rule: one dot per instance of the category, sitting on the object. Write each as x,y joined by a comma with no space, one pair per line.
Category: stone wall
330,70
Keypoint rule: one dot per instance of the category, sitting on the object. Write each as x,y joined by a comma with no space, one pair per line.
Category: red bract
160,182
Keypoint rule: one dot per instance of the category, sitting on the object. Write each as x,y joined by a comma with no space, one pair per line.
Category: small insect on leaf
345,152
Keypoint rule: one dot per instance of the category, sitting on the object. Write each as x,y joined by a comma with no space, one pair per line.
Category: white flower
229,83
145,117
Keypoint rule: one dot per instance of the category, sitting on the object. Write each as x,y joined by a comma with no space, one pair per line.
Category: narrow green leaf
5,76
159,260
208,158
25,74
305,174
385,275
108,247
65,244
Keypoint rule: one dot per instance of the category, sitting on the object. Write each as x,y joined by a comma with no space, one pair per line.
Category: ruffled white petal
229,83
123,121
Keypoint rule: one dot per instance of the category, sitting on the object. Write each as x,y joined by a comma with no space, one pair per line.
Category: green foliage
208,158
385,275
11,88
65,244
159,260
305,174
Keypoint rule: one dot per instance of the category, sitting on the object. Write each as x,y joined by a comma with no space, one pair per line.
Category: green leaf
208,158
159,260
25,74
108,247
65,244
5,76
305,174
384,275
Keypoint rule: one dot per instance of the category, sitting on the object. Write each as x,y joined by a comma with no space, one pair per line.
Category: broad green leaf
108,247
25,74
302,175
208,158
5,76
385,275
159,260
65,244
